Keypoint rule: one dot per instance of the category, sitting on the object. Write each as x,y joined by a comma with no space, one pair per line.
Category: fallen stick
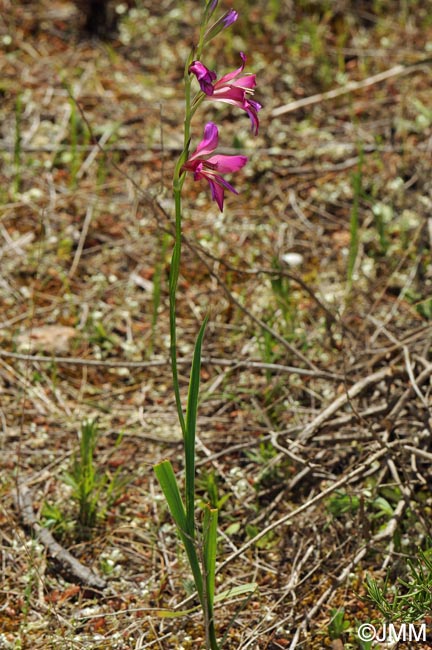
348,88
215,361
24,504
340,401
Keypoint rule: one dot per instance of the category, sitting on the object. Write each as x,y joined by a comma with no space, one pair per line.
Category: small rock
47,338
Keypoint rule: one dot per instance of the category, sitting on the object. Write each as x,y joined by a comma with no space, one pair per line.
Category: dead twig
214,361
346,397
81,242
23,499
423,376
412,378
350,87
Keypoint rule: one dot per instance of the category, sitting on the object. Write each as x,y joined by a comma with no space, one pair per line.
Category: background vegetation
315,423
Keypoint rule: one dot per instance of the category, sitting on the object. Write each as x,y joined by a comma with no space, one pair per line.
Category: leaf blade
166,477
191,420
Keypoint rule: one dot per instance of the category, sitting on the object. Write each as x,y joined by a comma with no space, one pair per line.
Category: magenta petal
229,93
190,166
208,144
217,193
252,109
197,168
204,76
240,104
254,120
227,164
255,105
223,183
201,71
248,81
231,75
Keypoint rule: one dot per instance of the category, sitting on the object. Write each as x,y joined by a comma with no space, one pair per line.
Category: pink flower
231,88
211,167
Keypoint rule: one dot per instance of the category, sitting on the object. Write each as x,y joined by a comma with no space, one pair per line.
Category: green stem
178,181
173,281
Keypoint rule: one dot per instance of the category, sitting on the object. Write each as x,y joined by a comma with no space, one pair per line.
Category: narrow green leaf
169,613
209,549
233,618
357,181
191,419
166,477
210,543
236,591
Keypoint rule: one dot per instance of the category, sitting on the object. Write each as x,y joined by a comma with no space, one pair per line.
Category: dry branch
214,361
352,392
23,498
348,88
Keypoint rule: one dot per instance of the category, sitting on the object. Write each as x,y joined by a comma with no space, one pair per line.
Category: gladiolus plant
236,89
